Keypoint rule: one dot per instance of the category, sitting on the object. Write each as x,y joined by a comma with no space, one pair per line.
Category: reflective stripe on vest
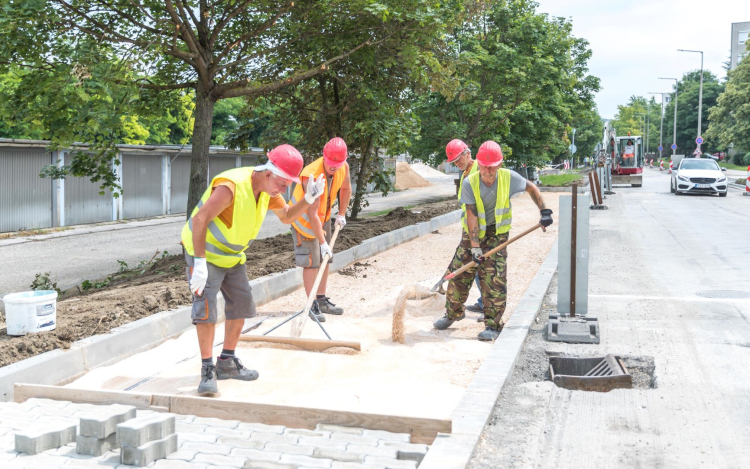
503,212
315,169
225,246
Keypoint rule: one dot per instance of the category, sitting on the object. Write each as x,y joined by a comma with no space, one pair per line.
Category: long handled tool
439,286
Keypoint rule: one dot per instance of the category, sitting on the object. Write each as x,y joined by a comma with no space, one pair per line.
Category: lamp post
661,126
674,132
643,124
700,91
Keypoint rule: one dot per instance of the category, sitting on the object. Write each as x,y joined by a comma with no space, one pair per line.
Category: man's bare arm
536,196
473,223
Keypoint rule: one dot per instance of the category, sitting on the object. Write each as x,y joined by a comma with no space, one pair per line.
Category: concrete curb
454,450
63,366
581,189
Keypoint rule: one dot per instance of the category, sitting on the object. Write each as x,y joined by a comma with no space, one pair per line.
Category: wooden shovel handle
321,271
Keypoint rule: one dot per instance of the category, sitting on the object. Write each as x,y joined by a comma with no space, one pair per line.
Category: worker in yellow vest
458,153
223,224
311,232
487,221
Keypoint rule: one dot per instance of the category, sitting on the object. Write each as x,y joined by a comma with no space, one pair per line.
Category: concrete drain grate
731,294
601,374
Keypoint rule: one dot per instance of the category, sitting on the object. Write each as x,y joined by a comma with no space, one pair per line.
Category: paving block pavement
305,461
104,422
250,464
94,446
408,451
37,440
141,430
151,451
391,463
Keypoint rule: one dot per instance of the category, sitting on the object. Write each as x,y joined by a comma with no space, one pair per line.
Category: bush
738,158
747,158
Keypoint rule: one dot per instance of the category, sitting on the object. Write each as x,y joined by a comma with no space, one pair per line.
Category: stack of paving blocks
145,439
38,439
98,432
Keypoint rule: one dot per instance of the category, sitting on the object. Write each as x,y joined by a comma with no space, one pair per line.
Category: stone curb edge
63,366
454,450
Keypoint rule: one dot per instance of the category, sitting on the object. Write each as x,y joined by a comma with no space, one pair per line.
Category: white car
698,176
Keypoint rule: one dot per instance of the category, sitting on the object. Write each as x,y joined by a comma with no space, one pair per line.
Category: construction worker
223,224
487,221
628,154
459,154
311,231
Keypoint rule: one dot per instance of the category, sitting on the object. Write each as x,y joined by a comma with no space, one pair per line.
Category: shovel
439,286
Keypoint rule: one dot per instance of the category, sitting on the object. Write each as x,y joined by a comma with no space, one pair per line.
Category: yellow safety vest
474,169
225,246
503,213
313,170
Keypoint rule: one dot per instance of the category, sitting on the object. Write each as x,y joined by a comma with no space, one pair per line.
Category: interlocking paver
94,446
183,426
353,465
219,460
140,430
148,452
356,439
383,435
409,451
38,401
110,459
368,450
289,449
197,437
233,432
207,448
337,455
262,428
323,443
305,461
310,433
275,438
212,422
390,463
241,442
256,455
176,464
35,441
267,465
183,454
339,429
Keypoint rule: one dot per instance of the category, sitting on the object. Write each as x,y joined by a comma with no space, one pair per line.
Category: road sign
674,147
661,148
699,140
572,149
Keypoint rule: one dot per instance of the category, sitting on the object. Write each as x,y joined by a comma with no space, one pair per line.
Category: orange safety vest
313,170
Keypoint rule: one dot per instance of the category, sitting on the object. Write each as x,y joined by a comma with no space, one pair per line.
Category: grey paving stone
352,465
37,401
37,440
339,429
267,465
220,460
8,455
256,455
212,422
241,442
356,439
231,432
104,422
305,461
207,448
185,418
381,435
148,452
69,451
140,430
337,455
323,443
310,433
177,464
275,438
408,451
183,454
367,450
260,427
93,446
289,449
43,459
110,459
183,426
390,463
21,415
197,437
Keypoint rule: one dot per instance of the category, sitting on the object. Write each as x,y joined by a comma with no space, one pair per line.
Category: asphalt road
92,252
655,257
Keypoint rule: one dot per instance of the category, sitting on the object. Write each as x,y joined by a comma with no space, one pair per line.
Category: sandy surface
429,172
426,376
407,178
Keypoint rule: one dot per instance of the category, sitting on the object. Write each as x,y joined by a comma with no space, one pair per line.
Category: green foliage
86,285
43,282
631,117
730,118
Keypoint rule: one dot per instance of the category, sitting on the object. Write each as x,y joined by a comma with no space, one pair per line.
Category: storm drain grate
732,294
601,374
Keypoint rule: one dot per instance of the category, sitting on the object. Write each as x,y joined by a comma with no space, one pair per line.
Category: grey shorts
307,251
232,283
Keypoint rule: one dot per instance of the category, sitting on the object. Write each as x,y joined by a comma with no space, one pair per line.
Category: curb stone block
146,454
36,441
93,446
102,426
391,463
138,431
408,451
336,455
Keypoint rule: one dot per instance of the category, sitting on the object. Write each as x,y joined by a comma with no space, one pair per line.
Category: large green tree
729,120
641,116
520,78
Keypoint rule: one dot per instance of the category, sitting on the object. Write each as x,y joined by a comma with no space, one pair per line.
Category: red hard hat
454,148
334,153
490,154
288,161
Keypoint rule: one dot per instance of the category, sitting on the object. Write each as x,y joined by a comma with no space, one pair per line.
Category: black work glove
477,255
546,219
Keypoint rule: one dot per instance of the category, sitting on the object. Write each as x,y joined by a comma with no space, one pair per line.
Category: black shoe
475,308
489,334
445,322
231,368
315,312
327,307
208,380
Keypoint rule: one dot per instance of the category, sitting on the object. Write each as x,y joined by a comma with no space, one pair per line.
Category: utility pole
700,93
674,132
661,126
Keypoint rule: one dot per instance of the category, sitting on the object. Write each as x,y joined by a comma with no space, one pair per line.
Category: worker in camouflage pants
492,282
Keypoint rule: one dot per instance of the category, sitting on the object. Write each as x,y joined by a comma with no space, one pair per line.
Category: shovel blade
438,287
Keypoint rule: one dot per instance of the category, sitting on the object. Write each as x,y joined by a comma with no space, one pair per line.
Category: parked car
698,176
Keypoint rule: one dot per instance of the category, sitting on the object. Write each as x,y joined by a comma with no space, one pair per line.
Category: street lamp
700,91
643,125
674,132
661,126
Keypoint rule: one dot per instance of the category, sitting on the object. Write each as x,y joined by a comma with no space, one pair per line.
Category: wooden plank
317,345
422,430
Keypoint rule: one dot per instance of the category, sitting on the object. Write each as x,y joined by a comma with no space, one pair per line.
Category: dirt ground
426,376
130,296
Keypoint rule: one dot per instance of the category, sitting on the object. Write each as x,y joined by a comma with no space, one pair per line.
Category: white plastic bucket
30,311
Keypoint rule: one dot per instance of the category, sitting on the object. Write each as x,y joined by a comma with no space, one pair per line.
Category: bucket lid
30,297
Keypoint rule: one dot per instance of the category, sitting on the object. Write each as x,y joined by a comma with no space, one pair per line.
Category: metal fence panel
141,185
25,198
252,160
180,183
83,204
217,165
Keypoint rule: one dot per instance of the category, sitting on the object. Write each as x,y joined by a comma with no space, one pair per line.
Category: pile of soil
407,178
130,296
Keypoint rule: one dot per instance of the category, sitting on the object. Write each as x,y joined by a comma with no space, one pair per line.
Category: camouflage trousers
492,281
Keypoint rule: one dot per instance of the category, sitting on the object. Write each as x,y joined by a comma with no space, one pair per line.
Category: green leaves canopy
730,118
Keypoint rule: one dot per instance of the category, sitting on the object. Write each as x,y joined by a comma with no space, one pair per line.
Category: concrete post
166,184
564,258
117,212
58,191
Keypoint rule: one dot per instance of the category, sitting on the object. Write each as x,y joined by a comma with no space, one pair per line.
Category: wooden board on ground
317,345
422,430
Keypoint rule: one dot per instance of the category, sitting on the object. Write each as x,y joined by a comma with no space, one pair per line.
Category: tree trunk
204,116
361,180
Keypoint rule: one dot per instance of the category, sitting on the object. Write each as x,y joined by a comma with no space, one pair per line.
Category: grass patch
39,231
560,180
733,166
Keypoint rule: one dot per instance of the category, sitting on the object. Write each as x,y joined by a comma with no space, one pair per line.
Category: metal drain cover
601,374
732,294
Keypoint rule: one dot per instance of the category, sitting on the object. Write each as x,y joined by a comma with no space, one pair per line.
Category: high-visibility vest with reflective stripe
313,170
503,213
225,246
474,169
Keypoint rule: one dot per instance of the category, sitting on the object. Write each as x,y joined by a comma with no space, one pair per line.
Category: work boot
445,322
231,368
208,380
315,311
329,308
489,333
476,308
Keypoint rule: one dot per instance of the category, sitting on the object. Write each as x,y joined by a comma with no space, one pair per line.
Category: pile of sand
429,172
407,178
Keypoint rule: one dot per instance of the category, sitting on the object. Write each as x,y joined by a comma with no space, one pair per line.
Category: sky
635,42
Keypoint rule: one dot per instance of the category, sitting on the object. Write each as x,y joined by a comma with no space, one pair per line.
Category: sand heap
429,172
406,178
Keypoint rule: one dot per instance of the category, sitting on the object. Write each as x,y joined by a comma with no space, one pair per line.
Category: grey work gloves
546,219
477,255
